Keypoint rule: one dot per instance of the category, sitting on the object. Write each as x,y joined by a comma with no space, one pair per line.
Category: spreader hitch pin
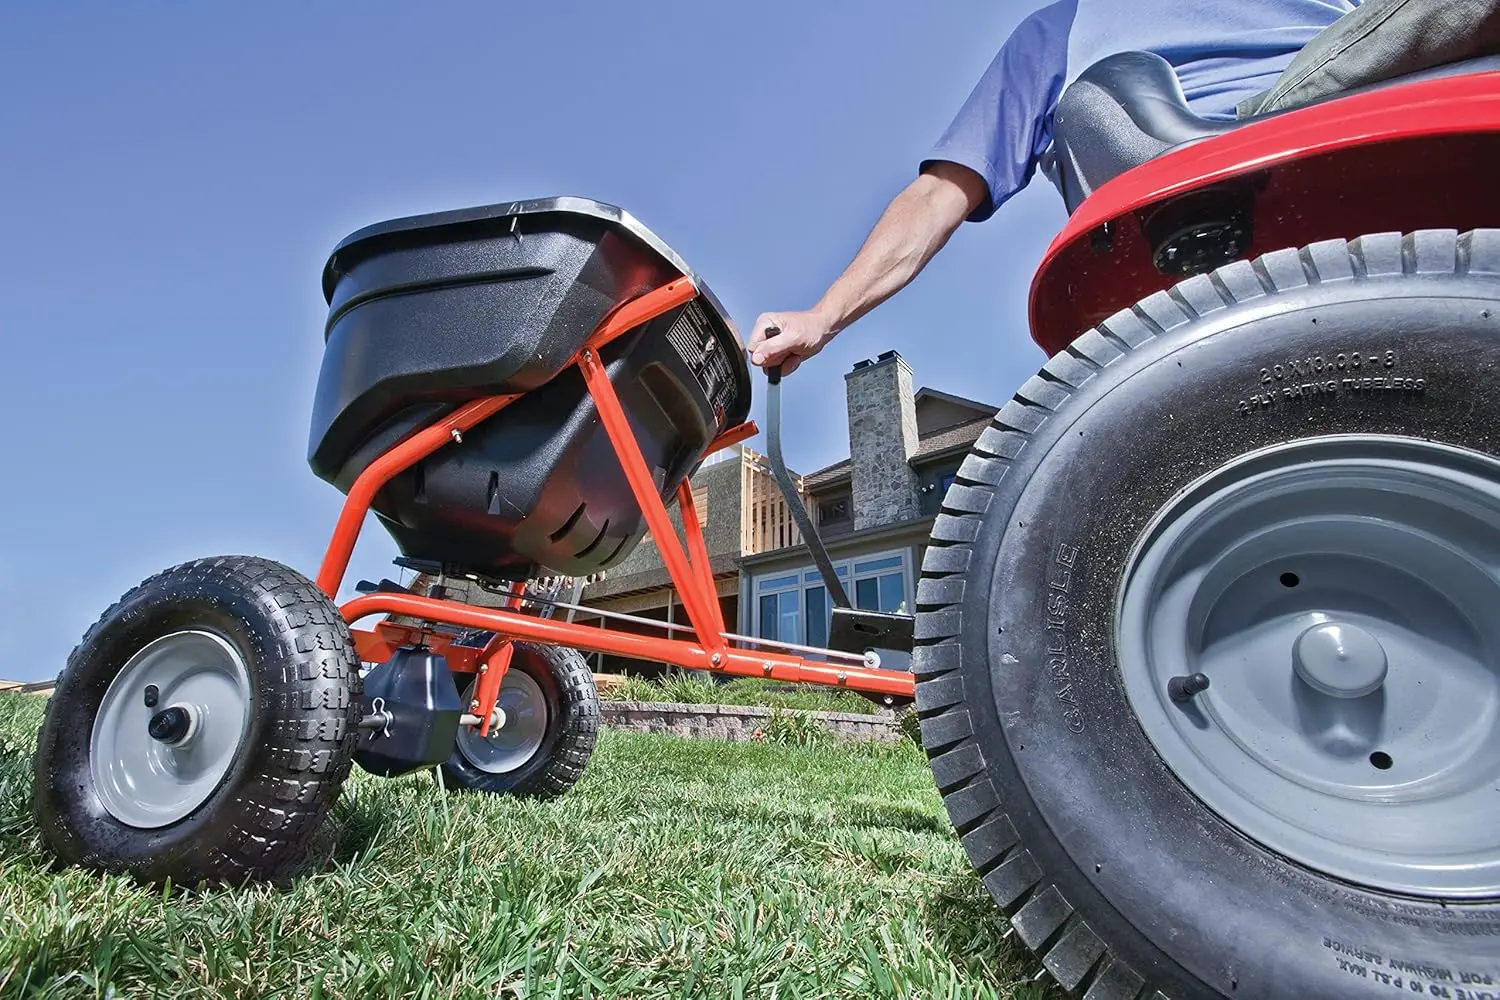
1186,687
376,720
379,718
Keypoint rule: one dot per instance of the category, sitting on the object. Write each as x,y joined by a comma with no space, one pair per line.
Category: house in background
742,513
43,688
874,509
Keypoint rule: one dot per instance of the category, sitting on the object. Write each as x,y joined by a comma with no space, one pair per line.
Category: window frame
805,577
844,499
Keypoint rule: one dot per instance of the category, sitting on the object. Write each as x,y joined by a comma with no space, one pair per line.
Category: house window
779,618
777,598
833,510
795,607
767,629
819,614
935,488
880,584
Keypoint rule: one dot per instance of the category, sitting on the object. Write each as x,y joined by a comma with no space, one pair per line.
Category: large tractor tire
1279,480
202,729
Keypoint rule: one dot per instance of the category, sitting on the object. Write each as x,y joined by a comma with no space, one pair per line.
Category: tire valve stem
1186,687
152,695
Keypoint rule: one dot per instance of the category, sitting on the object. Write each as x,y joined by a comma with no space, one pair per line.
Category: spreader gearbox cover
416,697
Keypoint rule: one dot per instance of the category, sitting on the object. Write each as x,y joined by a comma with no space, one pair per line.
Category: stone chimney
882,440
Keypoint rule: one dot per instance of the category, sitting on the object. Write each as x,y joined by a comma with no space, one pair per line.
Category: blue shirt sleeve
1006,124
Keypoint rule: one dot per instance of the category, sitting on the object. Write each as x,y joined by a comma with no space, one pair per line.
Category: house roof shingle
827,475
950,437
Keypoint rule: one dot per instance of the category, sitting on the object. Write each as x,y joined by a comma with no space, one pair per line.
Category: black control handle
831,581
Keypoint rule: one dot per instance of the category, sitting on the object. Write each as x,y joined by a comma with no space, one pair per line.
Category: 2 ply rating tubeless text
1320,376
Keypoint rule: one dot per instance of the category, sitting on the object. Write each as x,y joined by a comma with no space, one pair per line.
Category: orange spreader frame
686,559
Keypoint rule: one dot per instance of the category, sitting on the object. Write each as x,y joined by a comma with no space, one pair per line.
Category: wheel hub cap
172,726
154,765
1340,660
1340,597
521,711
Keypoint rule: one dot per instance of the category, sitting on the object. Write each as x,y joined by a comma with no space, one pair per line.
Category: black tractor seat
1129,108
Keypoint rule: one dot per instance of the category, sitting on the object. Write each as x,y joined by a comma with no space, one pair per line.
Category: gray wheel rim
1342,596
144,782
511,746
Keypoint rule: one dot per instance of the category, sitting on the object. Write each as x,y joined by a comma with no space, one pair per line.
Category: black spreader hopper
430,312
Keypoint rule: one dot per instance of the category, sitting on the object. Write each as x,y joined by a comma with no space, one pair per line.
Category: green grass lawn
674,869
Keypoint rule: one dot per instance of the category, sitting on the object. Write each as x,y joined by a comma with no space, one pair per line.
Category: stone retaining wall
735,722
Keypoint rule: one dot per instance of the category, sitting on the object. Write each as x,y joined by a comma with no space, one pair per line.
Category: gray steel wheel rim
1396,787
148,784
510,747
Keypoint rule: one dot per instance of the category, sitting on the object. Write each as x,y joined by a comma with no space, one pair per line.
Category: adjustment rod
810,537
1186,687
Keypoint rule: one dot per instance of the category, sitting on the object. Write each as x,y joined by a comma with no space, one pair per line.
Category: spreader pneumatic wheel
1209,658
548,715
202,728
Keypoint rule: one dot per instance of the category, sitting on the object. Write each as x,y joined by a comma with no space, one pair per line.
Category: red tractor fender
1423,155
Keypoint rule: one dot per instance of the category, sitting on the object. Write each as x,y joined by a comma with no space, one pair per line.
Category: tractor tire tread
1071,952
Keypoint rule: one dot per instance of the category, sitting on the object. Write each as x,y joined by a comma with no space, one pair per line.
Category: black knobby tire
287,768
572,728
1110,869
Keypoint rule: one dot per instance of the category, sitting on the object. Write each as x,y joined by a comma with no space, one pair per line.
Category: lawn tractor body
1207,670
1156,194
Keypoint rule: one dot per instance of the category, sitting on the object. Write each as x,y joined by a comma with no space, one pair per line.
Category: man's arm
913,228
988,153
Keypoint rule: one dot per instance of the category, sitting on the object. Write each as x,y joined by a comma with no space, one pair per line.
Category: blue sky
172,178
